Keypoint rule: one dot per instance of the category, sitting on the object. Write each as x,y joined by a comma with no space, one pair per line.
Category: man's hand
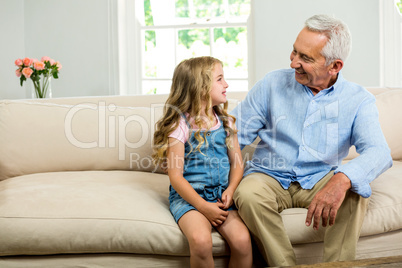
328,200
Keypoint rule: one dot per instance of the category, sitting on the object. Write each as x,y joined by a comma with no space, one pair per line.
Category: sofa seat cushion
383,214
91,212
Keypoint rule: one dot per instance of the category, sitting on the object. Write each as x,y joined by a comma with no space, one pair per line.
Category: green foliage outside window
226,42
202,9
149,21
399,4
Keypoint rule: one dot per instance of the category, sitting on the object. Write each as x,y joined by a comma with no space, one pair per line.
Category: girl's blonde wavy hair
191,87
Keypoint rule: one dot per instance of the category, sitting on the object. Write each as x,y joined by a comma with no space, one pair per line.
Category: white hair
339,41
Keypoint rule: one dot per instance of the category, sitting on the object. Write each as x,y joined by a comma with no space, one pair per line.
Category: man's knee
245,191
253,190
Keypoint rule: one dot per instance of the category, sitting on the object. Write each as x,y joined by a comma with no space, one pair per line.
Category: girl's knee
240,244
243,242
201,245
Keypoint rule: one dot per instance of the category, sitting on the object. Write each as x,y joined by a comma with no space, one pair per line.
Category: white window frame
390,44
131,43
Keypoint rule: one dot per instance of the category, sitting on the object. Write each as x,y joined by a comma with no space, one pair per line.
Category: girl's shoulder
181,132
232,125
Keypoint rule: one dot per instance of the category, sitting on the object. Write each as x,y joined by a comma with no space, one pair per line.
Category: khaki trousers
260,198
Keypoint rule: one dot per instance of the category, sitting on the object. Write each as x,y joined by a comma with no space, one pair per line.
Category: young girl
197,141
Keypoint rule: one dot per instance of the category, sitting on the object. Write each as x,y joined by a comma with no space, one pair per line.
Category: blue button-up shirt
304,136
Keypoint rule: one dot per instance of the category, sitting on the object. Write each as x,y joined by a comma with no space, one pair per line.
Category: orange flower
18,62
27,61
27,72
38,65
18,72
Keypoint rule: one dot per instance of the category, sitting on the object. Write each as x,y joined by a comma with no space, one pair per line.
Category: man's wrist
343,180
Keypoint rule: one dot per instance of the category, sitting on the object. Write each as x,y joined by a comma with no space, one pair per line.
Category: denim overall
207,172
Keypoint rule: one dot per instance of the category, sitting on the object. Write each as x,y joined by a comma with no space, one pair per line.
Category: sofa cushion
91,212
383,214
389,106
46,137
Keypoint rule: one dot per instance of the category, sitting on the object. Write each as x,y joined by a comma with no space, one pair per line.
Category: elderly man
307,118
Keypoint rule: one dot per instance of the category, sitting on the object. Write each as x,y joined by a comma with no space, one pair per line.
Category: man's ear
336,67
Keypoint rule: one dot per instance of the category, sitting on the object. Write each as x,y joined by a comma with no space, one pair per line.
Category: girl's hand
227,198
214,213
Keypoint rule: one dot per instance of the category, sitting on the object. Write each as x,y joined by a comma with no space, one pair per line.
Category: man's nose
294,62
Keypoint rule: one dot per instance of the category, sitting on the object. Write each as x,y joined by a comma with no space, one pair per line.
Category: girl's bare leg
197,229
237,235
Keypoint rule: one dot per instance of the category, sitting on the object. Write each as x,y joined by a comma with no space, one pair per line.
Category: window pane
236,85
194,9
239,8
156,87
150,44
163,86
148,13
211,8
192,43
208,8
200,8
158,53
230,47
182,9
165,46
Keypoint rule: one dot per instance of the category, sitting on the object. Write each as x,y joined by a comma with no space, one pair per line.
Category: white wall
74,32
11,47
277,23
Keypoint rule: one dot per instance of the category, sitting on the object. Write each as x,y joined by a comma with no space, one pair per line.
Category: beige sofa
77,188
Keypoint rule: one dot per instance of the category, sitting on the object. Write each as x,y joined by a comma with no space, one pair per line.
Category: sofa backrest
390,113
47,137
114,132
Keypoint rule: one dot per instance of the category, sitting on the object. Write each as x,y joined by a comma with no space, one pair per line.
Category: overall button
209,134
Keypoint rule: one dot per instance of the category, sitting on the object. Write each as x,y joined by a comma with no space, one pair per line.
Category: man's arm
374,154
250,114
356,174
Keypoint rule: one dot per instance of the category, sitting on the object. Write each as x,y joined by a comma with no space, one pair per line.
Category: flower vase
41,87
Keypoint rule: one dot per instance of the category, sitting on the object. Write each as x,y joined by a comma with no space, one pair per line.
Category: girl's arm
235,174
175,158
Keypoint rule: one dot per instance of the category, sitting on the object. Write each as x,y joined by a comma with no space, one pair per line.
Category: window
174,30
391,43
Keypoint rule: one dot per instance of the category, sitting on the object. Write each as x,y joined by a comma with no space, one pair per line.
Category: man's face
309,64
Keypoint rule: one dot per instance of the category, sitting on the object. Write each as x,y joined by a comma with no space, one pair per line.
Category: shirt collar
338,82
336,85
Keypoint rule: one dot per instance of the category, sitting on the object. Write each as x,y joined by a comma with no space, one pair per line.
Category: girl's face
219,86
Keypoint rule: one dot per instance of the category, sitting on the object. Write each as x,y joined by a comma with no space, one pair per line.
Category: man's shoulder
351,89
273,82
277,77
280,74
